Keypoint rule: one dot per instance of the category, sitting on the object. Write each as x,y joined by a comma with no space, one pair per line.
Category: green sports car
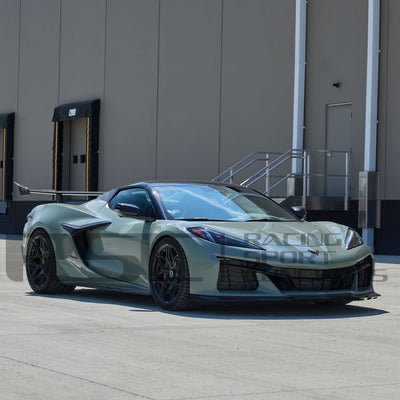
188,242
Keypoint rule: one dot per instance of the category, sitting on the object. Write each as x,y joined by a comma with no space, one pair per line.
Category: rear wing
58,194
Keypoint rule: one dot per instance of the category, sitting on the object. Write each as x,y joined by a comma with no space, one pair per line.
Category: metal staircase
319,179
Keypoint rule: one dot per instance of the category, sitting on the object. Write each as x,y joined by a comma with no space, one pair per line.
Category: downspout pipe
371,104
299,82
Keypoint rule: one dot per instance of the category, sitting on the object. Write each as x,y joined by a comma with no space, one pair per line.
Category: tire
41,266
169,275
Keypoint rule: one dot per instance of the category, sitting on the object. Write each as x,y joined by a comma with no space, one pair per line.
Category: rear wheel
41,265
169,275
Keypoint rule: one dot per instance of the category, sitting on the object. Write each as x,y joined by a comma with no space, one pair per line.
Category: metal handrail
233,174
284,178
235,165
268,169
271,165
232,167
346,175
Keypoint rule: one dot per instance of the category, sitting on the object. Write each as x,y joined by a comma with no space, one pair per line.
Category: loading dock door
77,169
2,154
6,157
74,154
338,137
76,144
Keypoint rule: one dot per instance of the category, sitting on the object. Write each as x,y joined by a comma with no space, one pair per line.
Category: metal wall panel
9,39
82,50
38,92
257,78
128,142
189,91
82,53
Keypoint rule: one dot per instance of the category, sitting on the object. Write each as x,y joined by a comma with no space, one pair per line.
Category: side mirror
131,211
299,211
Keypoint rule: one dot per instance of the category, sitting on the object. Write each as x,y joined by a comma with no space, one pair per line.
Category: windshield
218,203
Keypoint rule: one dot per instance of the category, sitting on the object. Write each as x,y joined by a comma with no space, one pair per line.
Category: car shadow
251,311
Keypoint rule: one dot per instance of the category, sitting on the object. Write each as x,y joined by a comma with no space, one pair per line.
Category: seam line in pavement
75,377
284,391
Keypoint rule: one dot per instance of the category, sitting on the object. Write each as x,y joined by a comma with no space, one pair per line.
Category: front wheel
41,265
169,275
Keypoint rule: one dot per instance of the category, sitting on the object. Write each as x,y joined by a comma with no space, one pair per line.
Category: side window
139,197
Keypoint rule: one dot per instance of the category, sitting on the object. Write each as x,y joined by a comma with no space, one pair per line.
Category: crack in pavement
229,395
284,391
75,377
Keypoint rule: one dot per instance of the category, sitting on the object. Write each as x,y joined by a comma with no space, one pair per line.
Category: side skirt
111,288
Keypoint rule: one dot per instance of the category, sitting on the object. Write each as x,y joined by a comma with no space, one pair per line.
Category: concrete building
189,87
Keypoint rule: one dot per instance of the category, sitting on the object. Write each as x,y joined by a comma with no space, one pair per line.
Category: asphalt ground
95,345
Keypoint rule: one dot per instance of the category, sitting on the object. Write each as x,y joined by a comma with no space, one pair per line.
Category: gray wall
129,105
9,46
38,75
257,77
187,87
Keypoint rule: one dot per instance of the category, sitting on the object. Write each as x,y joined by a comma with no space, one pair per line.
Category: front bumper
236,276
242,275
306,297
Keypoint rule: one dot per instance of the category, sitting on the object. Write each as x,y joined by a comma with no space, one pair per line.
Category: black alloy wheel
169,275
41,265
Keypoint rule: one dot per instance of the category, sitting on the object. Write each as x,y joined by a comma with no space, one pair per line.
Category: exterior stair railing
271,161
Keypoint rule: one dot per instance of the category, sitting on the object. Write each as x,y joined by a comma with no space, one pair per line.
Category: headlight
353,239
221,238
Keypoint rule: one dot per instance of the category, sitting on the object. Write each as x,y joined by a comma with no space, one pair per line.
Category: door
2,156
338,137
74,156
77,166
120,251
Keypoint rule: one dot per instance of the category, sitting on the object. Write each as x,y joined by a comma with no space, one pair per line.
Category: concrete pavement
95,344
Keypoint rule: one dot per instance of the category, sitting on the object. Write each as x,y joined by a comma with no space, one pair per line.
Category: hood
293,242
295,234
